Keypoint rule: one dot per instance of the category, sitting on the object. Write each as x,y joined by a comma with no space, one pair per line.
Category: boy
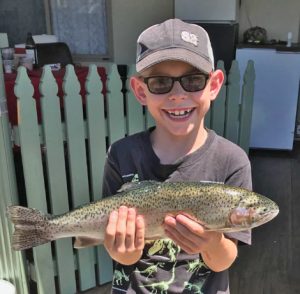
177,83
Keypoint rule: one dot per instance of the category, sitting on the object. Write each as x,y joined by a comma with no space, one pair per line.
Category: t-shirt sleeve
112,179
241,177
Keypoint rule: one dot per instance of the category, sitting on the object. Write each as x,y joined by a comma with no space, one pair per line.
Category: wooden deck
105,289
271,265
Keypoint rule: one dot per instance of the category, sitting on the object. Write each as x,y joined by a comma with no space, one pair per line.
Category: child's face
177,112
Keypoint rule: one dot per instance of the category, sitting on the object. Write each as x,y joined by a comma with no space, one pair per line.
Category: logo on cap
189,37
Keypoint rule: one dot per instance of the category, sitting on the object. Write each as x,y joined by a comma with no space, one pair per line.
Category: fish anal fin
226,229
83,242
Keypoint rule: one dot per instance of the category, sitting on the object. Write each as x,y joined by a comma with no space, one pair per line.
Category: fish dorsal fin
130,186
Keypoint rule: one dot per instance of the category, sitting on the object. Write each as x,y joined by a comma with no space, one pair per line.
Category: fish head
253,210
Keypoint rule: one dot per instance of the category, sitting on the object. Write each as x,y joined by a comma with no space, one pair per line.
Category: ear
139,89
216,82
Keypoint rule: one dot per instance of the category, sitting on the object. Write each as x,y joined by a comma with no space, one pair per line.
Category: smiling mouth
179,113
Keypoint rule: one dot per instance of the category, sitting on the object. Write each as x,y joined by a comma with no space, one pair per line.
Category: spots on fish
211,204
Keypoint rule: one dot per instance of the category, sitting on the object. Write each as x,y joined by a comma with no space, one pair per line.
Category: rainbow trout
215,206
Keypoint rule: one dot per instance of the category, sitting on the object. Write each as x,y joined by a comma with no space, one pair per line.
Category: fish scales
216,206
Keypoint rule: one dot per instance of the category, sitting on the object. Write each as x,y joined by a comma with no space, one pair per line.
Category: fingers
185,227
140,233
190,224
125,230
111,229
186,246
121,227
185,232
130,229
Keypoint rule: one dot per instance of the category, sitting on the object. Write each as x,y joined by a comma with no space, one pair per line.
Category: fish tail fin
29,226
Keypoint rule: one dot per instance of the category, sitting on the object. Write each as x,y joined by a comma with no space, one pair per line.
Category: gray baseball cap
175,40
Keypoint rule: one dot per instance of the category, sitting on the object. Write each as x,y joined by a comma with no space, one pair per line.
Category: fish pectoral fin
83,242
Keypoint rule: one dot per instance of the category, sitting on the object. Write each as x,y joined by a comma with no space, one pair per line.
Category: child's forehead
170,67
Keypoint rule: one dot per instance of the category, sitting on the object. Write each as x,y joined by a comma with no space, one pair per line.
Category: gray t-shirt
164,267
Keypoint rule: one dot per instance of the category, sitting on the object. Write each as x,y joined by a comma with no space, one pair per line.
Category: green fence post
115,105
56,173
96,126
78,167
218,105
232,103
12,265
247,106
135,118
33,175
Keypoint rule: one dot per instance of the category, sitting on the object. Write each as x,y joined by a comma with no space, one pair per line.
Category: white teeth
179,112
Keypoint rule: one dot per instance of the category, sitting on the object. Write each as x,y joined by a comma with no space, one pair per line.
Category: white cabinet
275,96
207,10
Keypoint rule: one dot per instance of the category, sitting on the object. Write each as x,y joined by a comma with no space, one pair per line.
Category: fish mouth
267,217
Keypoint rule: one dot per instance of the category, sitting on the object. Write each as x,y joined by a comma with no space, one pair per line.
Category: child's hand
124,236
217,251
190,235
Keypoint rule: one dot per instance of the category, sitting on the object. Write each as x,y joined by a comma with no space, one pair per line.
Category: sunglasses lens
193,83
164,84
160,85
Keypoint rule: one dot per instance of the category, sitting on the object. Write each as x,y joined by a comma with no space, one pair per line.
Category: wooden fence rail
63,163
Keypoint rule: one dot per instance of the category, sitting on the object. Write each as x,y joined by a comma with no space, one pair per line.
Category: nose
177,92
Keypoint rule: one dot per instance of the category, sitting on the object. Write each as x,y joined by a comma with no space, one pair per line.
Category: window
82,24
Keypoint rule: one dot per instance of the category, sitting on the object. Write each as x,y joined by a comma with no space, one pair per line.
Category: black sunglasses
164,84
